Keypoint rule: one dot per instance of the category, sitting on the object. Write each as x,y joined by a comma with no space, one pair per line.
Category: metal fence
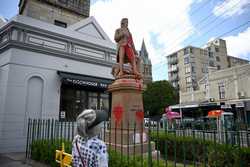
155,145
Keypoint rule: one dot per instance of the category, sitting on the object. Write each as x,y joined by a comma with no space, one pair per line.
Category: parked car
152,123
204,123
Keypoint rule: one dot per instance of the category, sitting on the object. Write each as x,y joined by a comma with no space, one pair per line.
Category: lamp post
149,142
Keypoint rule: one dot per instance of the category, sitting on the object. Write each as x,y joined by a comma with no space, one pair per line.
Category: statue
126,52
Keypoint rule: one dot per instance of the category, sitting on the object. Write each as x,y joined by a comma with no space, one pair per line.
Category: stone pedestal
127,132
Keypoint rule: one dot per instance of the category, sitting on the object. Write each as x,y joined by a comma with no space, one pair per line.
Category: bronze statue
126,52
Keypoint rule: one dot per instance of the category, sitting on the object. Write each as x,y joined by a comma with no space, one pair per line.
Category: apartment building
190,64
227,88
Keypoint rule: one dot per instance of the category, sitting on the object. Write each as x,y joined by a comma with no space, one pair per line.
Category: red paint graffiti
118,111
139,116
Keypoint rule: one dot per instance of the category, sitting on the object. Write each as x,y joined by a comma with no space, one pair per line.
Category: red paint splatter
118,111
139,116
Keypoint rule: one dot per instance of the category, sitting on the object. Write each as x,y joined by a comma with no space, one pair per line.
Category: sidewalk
18,160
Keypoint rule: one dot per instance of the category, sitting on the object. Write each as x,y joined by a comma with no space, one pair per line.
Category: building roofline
188,46
238,58
48,28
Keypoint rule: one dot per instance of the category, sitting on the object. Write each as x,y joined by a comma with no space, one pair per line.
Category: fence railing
155,145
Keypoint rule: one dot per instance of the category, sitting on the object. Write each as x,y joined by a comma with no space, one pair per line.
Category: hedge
201,151
44,151
196,150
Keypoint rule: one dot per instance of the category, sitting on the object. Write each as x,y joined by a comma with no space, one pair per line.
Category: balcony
172,60
173,69
173,78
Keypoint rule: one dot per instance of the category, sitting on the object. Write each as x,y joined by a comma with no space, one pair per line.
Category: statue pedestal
127,132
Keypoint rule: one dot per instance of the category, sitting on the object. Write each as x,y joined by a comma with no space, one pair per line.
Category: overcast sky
168,25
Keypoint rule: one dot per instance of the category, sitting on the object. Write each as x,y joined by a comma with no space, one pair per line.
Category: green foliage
116,159
203,151
45,150
159,95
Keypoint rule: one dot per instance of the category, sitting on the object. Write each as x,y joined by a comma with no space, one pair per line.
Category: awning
84,80
215,113
188,105
207,104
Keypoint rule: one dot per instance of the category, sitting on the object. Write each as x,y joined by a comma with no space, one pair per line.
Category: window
104,101
93,100
211,63
186,60
187,69
188,80
185,51
218,67
189,89
221,91
216,49
74,100
205,53
217,58
60,23
192,69
204,68
63,1
191,50
210,54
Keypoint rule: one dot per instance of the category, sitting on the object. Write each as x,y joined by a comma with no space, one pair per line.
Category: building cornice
22,36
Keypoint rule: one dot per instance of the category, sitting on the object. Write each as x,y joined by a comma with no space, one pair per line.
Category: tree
157,96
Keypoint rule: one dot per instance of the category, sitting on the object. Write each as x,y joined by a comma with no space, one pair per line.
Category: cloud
238,45
229,8
159,22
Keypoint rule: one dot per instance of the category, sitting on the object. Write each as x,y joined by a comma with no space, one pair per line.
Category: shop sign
86,83
62,114
239,104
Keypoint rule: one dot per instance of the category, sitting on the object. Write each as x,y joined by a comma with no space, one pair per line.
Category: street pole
180,104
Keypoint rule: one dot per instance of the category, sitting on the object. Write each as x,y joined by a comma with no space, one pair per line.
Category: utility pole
180,104
207,85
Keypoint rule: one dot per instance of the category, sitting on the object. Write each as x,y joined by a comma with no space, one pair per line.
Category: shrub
44,151
203,151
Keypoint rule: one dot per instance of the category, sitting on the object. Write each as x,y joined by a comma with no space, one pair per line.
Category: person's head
124,22
89,121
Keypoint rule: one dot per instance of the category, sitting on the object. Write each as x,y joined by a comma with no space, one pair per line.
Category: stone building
48,70
188,65
227,88
60,12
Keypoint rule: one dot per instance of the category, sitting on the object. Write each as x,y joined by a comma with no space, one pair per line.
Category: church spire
144,49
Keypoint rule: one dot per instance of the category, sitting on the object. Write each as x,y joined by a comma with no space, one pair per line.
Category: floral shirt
93,152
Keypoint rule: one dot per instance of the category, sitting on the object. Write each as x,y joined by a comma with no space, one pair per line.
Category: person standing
87,149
